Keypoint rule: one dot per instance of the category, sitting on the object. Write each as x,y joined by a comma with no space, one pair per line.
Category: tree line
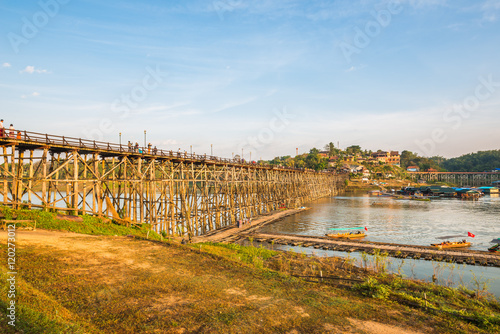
482,161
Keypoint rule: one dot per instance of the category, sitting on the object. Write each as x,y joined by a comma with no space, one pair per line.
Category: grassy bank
106,282
89,224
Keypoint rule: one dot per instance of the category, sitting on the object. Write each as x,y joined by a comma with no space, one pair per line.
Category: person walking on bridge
12,132
2,129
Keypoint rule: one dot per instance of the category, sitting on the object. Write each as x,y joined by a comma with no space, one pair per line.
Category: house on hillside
413,169
394,158
349,158
332,162
380,156
390,158
366,173
324,154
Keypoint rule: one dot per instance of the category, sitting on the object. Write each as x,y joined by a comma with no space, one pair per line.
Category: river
406,222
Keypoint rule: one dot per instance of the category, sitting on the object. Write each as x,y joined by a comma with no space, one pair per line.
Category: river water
405,222
399,221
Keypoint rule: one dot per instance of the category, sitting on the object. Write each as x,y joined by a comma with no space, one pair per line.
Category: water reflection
448,274
404,222
397,221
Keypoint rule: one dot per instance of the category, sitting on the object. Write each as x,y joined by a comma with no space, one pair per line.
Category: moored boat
422,199
454,244
346,235
494,249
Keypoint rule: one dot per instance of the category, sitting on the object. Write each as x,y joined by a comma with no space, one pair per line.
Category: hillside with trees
482,161
312,160
409,158
473,162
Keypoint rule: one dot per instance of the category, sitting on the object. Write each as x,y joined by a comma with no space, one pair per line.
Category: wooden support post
6,177
75,189
30,179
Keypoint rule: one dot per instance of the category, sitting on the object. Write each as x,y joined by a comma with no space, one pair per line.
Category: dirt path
94,280
233,232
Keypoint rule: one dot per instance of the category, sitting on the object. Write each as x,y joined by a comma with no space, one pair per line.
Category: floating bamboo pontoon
346,235
460,256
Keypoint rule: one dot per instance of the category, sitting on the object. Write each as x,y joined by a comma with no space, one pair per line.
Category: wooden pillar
75,183
17,171
141,191
6,176
96,196
43,161
30,179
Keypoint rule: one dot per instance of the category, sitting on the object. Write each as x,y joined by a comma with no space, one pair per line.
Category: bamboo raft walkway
460,256
232,232
251,232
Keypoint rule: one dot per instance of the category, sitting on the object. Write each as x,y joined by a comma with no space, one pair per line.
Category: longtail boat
454,244
494,249
422,199
346,235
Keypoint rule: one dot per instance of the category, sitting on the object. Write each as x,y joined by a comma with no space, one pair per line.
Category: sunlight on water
399,221
405,222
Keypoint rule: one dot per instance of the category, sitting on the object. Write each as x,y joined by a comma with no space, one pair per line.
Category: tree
315,161
354,149
481,161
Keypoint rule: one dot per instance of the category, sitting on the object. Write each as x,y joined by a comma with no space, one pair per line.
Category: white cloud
34,94
6,65
354,68
490,10
31,70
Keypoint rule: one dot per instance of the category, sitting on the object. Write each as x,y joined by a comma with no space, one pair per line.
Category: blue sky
263,76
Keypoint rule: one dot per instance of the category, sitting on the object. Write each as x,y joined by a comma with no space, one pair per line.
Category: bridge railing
16,135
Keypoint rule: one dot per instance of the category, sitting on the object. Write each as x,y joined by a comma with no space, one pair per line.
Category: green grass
455,302
114,284
255,256
90,224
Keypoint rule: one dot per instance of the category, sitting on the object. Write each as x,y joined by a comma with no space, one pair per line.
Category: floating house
489,190
434,191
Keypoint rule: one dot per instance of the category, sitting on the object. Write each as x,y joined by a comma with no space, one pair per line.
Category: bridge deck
26,140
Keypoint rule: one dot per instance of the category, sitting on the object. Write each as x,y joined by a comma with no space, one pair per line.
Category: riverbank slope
118,283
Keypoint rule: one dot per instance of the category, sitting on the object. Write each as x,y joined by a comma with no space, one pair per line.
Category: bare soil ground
103,284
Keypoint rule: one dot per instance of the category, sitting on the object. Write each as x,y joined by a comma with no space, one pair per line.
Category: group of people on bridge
135,148
11,133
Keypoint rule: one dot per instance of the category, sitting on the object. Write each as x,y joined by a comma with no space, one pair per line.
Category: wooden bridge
175,192
472,179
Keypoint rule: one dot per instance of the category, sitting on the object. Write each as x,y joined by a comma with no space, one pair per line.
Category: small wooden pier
460,256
